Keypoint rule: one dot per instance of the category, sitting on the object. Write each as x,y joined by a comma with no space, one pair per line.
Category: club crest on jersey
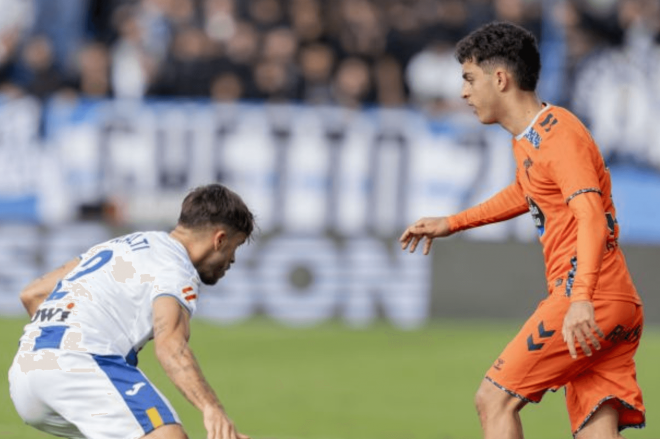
188,294
537,215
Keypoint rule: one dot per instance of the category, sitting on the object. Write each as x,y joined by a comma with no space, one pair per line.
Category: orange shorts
537,360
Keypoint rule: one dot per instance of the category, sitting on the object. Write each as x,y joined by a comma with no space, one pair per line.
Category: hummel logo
136,388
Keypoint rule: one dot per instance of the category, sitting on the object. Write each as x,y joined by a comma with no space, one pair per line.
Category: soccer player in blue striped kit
75,373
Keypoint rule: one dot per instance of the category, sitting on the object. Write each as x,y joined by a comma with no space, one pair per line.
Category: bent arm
36,291
592,232
506,204
171,335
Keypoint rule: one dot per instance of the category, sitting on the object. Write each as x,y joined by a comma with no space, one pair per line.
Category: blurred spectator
93,79
64,22
362,31
41,78
388,78
405,36
181,13
522,12
352,85
434,78
227,87
272,82
219,19
155,30
316,66
242,53
9,41
306,19
448,20
266,14
280,45
616,89
189,70
129,71
343,52
16,18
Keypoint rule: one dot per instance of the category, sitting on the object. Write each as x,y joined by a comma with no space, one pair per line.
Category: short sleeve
182,287
572,164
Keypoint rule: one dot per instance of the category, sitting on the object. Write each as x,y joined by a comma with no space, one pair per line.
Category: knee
491,401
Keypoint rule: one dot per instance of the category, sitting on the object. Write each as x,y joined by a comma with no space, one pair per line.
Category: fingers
415,242
580,336
413,235
427,245
584,335
571,346
405,239
593,330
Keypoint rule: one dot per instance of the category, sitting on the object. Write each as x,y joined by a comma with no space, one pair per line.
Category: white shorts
79,395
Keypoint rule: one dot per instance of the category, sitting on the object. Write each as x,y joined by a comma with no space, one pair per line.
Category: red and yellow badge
187,294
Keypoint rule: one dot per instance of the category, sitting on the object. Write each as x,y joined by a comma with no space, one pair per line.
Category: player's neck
520,112
190,242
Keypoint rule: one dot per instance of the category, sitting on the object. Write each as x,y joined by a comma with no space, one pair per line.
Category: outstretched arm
36,291
171,335
506,204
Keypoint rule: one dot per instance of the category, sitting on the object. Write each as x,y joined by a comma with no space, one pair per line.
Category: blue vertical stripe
571,276
141,394
50,337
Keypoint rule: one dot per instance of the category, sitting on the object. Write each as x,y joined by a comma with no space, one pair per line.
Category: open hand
580,324
428,228
219,426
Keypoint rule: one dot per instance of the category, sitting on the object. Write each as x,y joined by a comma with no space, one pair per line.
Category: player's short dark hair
506,44
214,205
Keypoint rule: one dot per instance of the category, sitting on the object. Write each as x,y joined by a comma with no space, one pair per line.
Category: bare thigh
170,431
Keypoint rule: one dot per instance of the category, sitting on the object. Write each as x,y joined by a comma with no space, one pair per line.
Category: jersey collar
545,108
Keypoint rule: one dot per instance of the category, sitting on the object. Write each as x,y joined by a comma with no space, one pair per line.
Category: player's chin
212,279
486,120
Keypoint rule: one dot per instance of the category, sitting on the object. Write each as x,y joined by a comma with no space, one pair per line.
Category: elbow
162,349
28,297
597,229
167,347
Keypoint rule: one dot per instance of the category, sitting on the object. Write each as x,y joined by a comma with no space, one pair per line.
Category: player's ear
219,236
502,79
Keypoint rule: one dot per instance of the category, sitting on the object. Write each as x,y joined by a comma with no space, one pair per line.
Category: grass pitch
333,382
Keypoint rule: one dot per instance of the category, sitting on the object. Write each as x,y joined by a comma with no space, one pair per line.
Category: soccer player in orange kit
584,335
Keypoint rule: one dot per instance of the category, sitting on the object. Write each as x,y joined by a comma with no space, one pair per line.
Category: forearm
591,239
39,289
506,204
182,368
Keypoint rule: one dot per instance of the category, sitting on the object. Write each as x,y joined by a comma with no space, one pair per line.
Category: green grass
332,382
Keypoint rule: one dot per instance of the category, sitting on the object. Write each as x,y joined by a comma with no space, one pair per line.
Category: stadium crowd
601,57
321,51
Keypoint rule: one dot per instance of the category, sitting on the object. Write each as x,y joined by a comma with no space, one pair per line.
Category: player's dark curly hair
214,204
507,44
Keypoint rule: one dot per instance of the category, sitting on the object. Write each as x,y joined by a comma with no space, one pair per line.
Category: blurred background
339,122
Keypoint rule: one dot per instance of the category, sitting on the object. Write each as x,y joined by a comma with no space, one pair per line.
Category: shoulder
169,255
557,128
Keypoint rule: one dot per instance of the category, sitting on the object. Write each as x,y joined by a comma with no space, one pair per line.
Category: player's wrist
580,298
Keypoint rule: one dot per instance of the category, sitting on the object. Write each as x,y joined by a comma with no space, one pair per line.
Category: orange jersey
562,180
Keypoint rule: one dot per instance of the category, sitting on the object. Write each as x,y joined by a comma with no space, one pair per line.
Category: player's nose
464,91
